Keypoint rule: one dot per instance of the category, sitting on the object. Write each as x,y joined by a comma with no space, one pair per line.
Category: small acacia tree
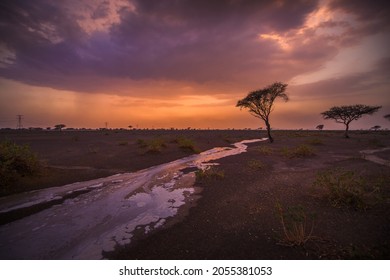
320,126
260,103
375,127
347,114
59,126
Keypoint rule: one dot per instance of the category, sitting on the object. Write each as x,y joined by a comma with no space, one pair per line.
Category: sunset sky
162,64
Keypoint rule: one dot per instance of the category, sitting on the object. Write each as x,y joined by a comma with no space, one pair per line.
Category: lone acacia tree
320,126
347,114
59,126
260,103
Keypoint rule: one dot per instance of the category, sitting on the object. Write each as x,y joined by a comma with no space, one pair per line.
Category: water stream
80,220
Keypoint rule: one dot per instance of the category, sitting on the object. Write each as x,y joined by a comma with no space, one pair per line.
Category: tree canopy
59,126
260,103
347,114
320,126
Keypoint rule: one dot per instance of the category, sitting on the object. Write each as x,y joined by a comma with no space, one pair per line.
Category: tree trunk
271,140
346,130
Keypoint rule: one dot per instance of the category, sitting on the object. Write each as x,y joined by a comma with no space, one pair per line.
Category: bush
186,144
315,141
152,146
343,188
15,162
300,151
264,150
209,173
255,164
294,222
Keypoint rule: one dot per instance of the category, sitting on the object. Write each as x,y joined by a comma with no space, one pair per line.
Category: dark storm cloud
365,10
175,40
367,84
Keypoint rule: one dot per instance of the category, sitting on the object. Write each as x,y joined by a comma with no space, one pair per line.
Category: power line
19,126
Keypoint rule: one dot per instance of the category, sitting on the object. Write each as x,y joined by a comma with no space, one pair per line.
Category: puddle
370,155
95,216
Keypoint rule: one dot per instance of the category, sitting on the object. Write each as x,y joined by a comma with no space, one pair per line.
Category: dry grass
298,152
294,222
210,173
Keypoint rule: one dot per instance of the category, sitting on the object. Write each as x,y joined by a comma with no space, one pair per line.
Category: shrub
255,164
294,221
209,173
16,161
315,141
153,145
142,143
343,188
300,151
264,150
186,144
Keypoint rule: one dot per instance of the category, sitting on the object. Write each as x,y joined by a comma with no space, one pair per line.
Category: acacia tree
347,114
320,126
59,126
260,103
376,127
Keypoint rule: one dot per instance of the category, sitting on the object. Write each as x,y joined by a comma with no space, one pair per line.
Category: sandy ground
236,216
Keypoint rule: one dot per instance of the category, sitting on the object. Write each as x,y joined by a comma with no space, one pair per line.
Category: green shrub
210,173
264,150
294,222
315,141
16,161
152,146
343,188
255,164
186,144
142,143
298,152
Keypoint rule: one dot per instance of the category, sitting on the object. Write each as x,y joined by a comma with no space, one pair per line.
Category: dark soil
236,216
72,156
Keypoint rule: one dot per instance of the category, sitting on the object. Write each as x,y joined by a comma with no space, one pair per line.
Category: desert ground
308,195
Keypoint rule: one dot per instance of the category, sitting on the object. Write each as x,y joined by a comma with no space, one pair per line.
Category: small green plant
255,164
343,188
315,142
152,146
294,222
298,152
264,150
210,173
156,145
142,143
16,161
186,144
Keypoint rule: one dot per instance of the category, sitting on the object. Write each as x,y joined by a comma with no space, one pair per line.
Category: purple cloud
196,41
